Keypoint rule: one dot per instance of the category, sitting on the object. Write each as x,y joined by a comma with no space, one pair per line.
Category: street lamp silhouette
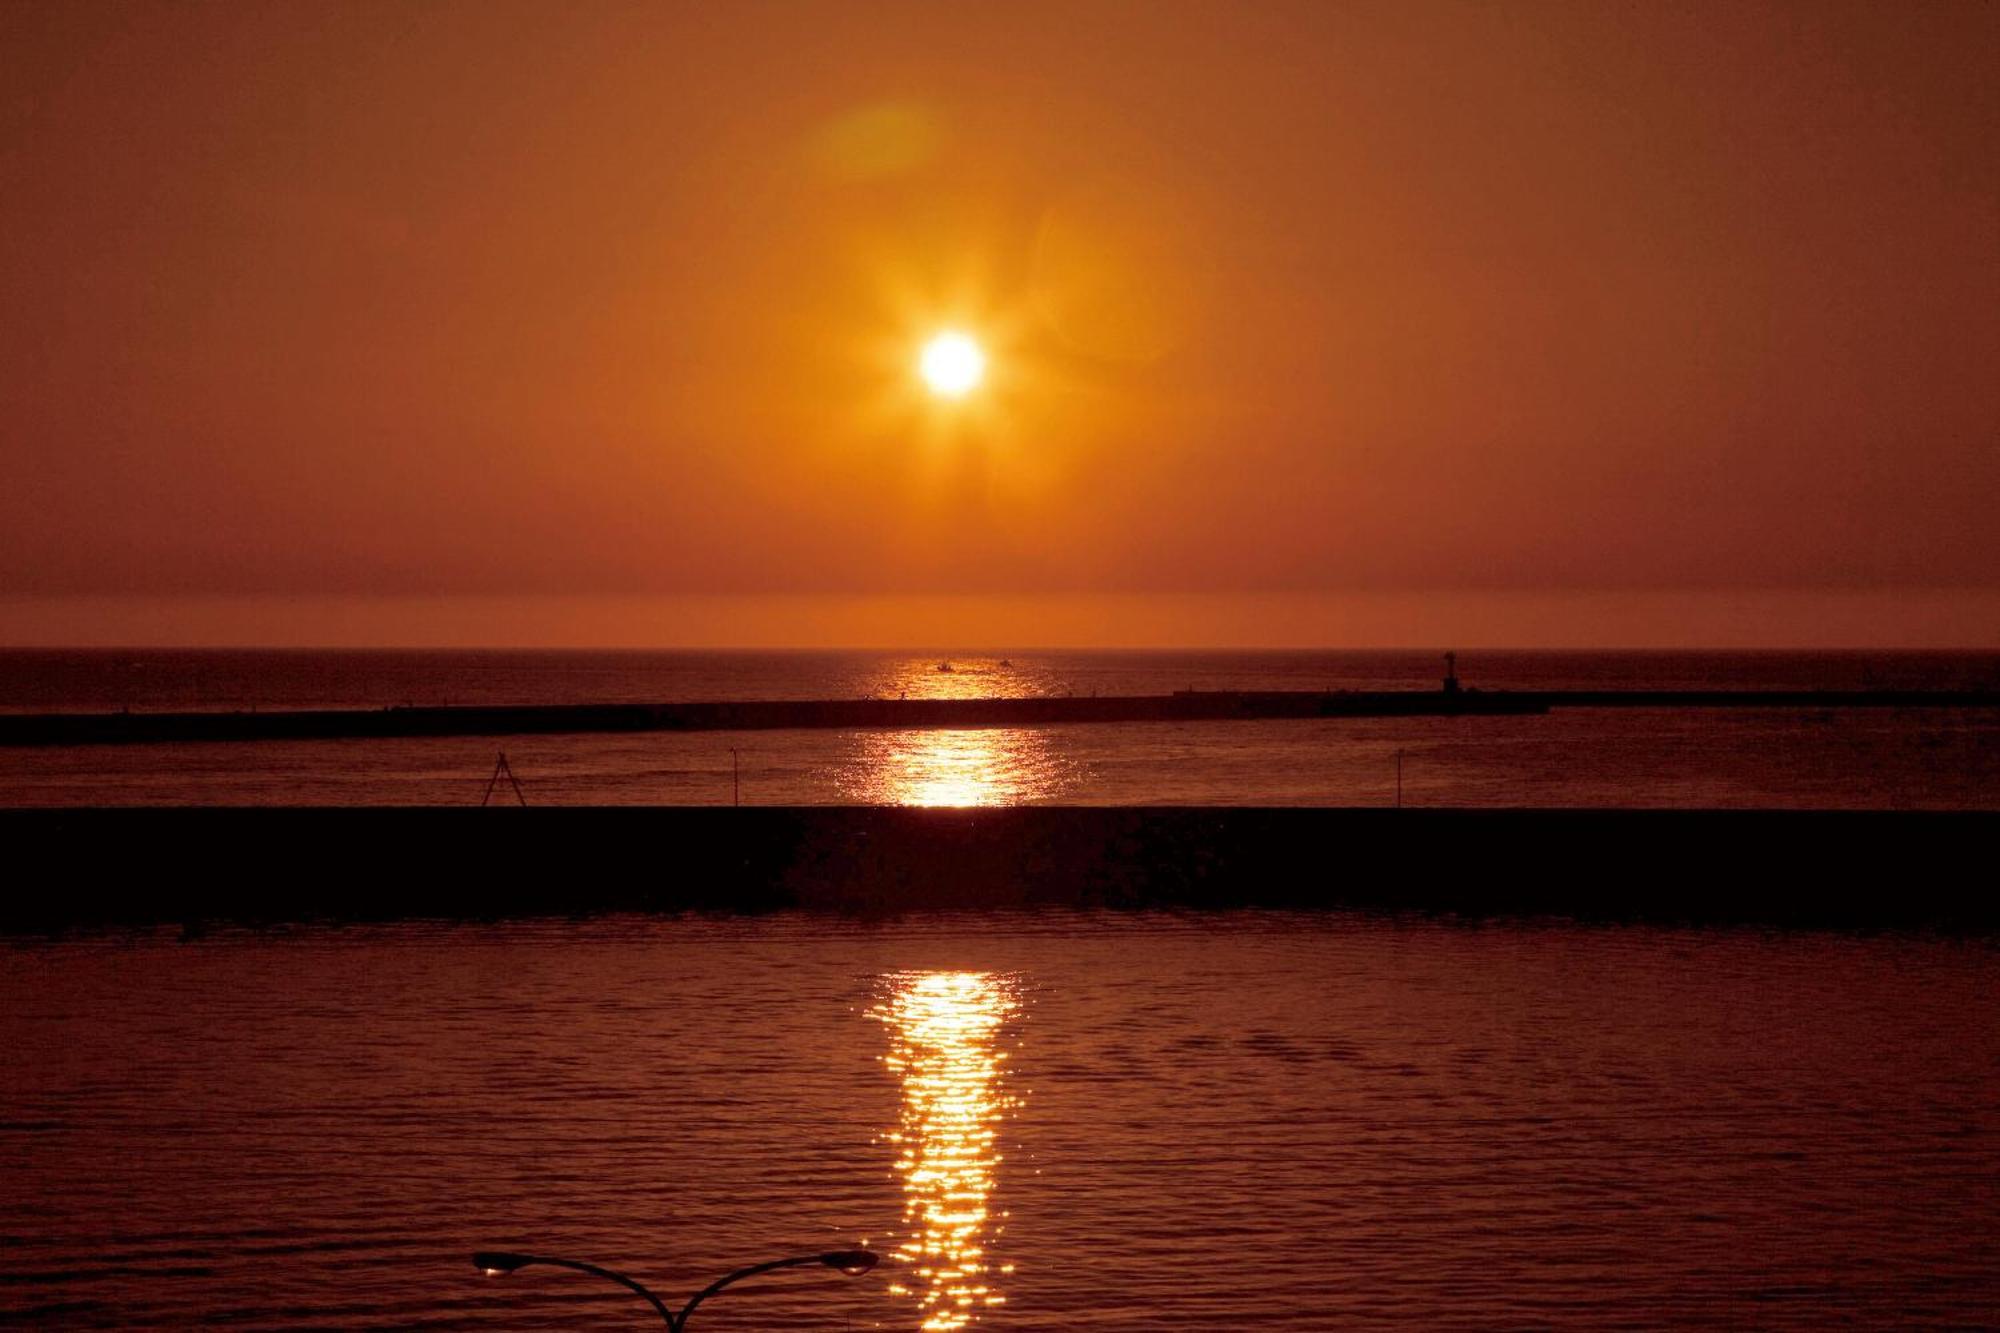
854,1263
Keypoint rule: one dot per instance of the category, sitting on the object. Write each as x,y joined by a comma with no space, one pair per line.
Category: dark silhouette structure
851,1262
503,769
1873,869
906,714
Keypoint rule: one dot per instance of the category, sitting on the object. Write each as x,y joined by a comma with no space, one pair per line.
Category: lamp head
497,1262
851,1262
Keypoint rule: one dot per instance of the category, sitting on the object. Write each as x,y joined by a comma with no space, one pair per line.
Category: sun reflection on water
945,1036
995,766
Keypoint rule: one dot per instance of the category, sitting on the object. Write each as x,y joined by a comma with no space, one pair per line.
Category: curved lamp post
851,1262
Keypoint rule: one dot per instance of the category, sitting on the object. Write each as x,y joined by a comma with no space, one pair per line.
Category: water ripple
1254,1121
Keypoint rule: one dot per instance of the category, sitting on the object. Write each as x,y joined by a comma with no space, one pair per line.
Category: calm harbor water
1853,759
1242,1121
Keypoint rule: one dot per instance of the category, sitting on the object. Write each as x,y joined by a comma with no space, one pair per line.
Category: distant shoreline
82,868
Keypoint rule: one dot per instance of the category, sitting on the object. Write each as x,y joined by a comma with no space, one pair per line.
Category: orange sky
1530,323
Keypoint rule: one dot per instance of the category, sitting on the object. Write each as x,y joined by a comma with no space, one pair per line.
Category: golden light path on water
956,768
945,1037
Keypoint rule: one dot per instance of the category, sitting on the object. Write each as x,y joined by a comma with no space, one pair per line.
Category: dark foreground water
1242,1121
1759,758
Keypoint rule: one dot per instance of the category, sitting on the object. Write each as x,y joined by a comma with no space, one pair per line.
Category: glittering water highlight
997,766
946,1034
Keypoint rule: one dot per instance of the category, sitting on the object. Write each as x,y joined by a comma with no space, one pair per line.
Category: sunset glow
1573,305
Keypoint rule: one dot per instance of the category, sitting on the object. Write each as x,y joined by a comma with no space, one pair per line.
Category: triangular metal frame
503,767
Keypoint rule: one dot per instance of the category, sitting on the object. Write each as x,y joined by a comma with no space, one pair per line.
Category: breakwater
858,714
145,866
745,715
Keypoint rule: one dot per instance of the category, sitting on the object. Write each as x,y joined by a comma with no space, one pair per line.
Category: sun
952,365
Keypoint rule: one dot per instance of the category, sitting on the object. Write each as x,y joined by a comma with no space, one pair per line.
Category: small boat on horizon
945,667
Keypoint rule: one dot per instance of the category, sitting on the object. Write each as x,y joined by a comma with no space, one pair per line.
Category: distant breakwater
151,866
899,714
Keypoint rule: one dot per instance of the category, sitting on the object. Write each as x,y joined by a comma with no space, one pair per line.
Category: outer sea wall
112,867
902,714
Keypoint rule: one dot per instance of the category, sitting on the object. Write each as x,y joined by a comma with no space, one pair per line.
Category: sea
1877,758
1093,1122
1039,1121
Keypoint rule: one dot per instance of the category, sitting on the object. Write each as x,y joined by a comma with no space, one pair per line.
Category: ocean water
1874,758
1134,1123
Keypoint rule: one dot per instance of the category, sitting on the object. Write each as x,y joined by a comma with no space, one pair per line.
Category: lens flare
945,1032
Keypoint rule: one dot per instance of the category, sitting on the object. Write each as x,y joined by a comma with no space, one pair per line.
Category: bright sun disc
952,364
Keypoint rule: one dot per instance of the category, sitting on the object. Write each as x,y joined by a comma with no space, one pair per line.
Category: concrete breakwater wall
740,715
786,714
148,866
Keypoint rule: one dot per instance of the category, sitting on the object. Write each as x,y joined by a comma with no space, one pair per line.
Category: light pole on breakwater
497,1263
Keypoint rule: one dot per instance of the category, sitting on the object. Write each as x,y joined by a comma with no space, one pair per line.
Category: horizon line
971,651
